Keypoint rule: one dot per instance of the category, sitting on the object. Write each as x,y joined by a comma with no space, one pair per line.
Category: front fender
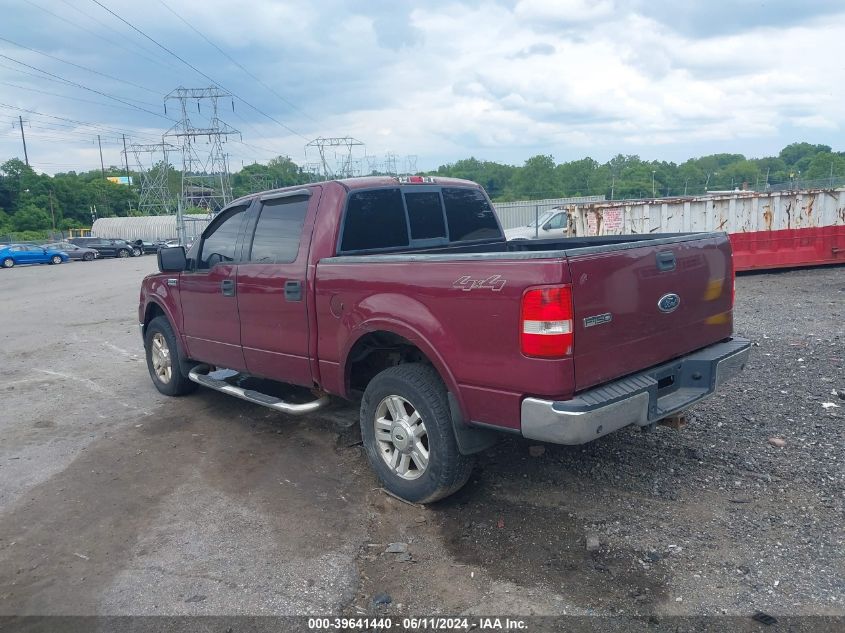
156,291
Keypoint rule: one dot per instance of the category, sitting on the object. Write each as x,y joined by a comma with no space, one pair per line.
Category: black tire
423,390
55,259
88,257
8,263
178,384
123,253
137,252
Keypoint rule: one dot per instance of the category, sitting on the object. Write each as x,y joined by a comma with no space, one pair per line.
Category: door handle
293,290
665,261
227,287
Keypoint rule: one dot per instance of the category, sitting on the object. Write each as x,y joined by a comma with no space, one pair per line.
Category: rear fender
421,328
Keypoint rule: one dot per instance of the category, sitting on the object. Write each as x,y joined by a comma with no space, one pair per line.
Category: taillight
546,321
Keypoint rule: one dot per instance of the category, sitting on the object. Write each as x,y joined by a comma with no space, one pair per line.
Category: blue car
28,254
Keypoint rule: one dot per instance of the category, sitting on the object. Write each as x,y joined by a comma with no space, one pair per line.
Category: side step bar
199,375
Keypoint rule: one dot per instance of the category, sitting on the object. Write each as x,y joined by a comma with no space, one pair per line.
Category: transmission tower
390,163
205,168
373,164
152,164
411,164
334,155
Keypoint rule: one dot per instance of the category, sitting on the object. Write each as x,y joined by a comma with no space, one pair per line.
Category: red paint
275,332
760,250
209,318
628,285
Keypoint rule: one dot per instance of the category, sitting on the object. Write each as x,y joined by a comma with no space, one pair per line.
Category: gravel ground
709,519
116,500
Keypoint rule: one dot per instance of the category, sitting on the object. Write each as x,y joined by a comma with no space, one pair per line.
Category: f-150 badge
467,283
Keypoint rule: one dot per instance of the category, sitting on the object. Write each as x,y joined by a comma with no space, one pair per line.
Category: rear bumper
638,399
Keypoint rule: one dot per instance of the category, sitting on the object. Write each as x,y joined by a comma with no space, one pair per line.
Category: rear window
374,219
469,215
425,214
396,218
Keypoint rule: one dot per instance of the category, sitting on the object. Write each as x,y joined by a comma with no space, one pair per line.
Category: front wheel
123,253
163,359
55,259
8,262
88,257
137,252
406,426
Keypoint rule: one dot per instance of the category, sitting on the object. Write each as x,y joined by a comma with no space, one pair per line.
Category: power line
90,70
234,61
197,70
95,126
95,91
56,94
97,35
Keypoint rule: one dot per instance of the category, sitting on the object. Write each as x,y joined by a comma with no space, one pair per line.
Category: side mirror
172,259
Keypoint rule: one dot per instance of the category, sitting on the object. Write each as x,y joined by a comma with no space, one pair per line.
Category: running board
199,375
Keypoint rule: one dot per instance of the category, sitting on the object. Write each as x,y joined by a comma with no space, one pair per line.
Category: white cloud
450,79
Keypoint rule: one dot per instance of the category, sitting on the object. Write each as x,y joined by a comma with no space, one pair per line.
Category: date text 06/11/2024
417,624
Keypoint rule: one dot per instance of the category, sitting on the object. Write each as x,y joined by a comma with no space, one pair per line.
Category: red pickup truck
404,294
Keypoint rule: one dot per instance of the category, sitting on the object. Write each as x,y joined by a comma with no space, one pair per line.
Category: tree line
32,203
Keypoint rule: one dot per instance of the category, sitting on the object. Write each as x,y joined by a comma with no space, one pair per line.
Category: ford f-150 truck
404,294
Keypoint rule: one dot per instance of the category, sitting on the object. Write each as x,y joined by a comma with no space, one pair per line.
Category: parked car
147,246
403,294
16,254
74,251
107,247
551,223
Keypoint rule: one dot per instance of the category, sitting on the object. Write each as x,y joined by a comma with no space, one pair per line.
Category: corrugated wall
151,227
738,212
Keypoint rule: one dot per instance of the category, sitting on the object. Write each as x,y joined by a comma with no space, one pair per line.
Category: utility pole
102,166
126,162
23,138
652,183
52,214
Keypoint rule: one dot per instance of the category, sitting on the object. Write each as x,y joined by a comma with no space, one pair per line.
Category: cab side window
558,221
218,247
278,231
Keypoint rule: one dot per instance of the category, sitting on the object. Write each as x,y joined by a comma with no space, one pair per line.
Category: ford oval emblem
669,302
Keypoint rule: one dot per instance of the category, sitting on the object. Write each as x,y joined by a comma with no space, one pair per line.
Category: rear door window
469,215
278,232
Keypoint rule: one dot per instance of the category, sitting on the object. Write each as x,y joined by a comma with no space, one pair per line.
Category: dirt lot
116,500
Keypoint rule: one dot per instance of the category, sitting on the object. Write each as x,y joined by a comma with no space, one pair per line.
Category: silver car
75,252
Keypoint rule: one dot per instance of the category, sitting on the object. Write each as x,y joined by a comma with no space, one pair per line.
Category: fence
524,212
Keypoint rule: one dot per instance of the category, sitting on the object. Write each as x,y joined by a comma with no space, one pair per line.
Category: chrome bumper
638,399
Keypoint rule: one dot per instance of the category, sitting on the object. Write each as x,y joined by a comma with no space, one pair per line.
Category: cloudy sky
500,80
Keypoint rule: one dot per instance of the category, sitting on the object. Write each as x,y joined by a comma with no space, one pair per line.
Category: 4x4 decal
467,283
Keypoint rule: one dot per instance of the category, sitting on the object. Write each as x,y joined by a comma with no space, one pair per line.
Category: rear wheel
123,253
163,359
407,430
88,257
55,259
8,262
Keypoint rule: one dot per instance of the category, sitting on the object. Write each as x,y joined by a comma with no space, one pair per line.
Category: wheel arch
387,344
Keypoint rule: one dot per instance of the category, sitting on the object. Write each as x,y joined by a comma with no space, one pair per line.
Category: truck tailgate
636,306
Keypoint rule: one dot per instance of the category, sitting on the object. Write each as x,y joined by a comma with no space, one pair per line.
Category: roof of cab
364,182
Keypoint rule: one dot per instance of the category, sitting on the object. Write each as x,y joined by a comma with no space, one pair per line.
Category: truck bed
617,283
